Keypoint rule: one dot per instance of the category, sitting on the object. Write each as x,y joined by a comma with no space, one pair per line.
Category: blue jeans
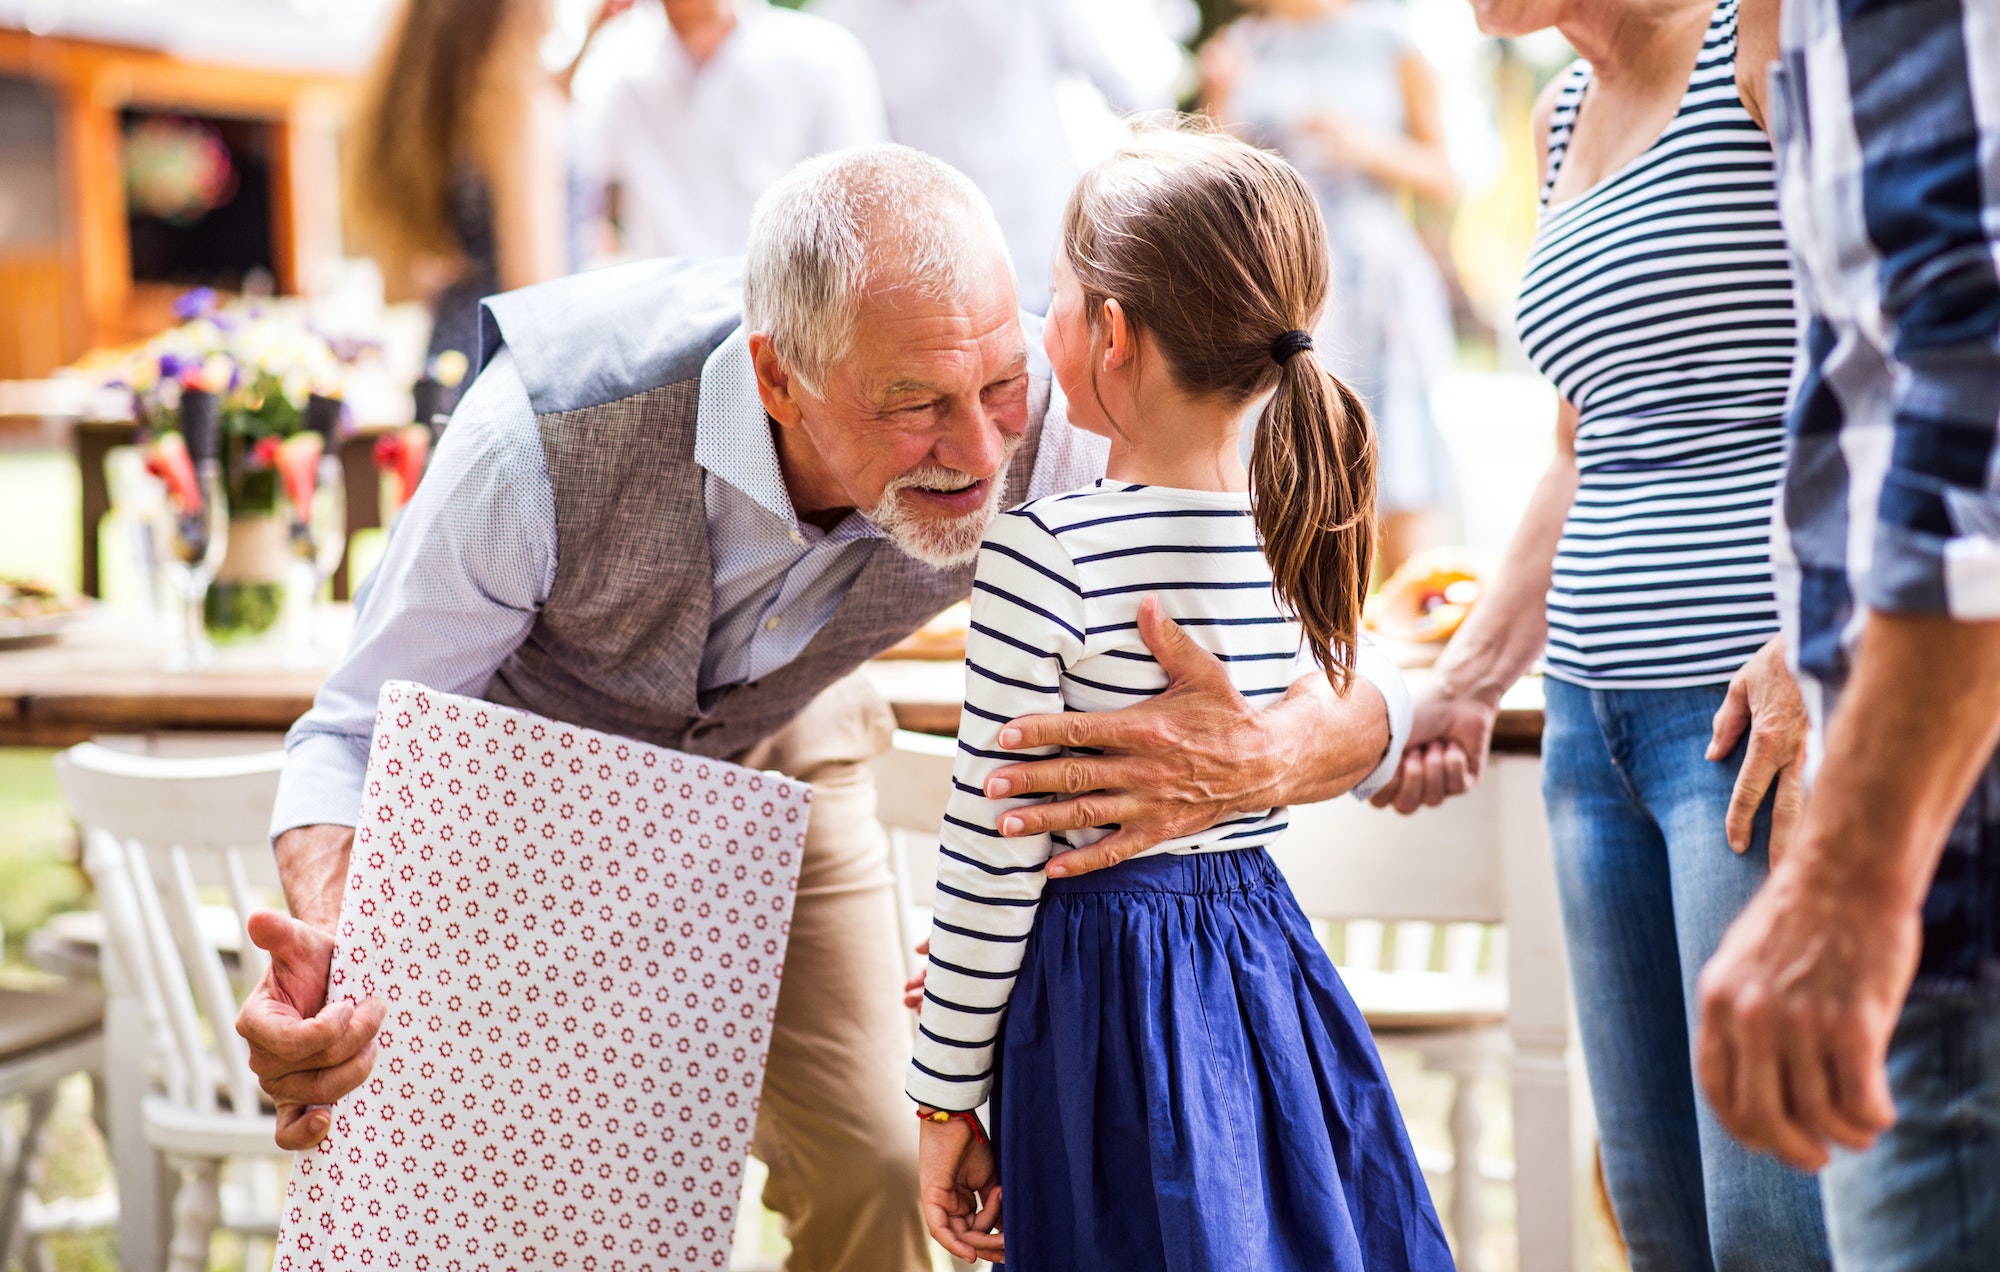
1926,1197
1648,886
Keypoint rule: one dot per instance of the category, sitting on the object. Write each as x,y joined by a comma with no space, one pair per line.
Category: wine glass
193,534
319,518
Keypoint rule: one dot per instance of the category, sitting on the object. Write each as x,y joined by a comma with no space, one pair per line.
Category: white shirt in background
691,148
984,85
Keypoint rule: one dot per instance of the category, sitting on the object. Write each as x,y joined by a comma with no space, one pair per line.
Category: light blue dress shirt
472,558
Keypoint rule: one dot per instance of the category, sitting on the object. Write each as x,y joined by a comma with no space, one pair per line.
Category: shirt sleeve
469,563
1935,228
1027,625
1380,670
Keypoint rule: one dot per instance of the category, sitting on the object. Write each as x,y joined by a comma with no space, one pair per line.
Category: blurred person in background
456,179
1659,298
980,84
692,120
1337,87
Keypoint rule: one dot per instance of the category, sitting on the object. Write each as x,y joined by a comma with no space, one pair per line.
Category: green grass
39,874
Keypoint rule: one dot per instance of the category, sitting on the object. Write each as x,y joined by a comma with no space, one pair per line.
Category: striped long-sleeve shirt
1054,628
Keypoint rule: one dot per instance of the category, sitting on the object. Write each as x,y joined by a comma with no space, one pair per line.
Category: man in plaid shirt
1852,1014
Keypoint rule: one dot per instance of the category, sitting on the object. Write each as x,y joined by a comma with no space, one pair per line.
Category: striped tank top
1660,303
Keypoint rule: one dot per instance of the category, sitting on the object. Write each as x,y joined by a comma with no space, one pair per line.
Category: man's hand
1799,1003
1797,1007
958,1186
1764,698
1184,759
305,1053
1446,754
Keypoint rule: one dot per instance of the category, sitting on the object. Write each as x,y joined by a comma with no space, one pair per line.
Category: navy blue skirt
1183,1083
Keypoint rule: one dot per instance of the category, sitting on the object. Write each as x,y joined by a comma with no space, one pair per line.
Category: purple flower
194,304
171,366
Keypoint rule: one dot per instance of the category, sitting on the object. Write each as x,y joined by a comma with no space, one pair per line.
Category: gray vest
612,364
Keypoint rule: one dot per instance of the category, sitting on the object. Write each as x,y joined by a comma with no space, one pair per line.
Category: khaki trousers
834,1127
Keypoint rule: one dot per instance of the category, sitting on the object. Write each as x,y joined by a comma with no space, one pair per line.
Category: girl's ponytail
1214,247
1312,496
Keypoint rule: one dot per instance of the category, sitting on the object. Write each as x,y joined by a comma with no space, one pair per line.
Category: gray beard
943,545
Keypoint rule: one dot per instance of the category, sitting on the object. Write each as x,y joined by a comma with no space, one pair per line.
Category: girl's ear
1121,341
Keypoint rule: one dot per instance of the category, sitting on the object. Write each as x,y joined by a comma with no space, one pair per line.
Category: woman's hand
958,1185
1446,752
1764,698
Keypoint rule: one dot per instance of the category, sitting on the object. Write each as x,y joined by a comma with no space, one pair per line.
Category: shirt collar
733,442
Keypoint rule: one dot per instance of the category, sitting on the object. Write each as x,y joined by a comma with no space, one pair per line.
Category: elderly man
1851,1017
685,508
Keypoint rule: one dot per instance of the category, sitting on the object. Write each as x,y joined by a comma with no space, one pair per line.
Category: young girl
1178,1078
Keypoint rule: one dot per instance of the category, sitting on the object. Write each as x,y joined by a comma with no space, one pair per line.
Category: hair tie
1288,344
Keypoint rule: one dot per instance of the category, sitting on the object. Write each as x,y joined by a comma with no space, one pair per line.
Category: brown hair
413,127
1217,250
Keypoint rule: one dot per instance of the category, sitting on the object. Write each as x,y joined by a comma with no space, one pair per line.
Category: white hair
844,223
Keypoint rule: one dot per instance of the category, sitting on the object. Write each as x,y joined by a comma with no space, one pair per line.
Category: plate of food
1422,604
31,611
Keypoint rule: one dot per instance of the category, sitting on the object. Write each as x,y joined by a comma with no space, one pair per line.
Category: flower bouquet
270,386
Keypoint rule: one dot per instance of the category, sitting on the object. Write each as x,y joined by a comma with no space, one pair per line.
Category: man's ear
776,387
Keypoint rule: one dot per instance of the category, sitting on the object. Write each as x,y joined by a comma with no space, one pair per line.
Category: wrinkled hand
913,988
958,1186
1445,755
1797,1007
1174,765
1764,698
305,1053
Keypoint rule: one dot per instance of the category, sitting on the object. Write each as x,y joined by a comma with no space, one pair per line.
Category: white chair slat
1364,944
131,955
183,1018
255,961
212,989
1412,941
1463,944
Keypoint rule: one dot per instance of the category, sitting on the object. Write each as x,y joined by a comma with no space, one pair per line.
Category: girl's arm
1027,625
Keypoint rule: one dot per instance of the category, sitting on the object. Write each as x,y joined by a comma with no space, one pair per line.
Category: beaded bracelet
942,1116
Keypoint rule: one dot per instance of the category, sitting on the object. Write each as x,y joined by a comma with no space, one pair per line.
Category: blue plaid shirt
1886,116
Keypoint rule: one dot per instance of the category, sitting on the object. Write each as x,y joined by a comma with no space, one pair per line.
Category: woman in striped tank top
1658,298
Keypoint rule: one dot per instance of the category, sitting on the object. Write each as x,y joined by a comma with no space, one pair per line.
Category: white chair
1478,862
912,786
157,832
1452,1011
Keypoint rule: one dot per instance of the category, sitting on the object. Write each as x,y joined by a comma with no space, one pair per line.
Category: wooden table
106,676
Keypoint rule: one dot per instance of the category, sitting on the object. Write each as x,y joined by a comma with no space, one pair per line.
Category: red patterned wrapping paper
579,938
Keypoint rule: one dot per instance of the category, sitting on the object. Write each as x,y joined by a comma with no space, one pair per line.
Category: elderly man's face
917,425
